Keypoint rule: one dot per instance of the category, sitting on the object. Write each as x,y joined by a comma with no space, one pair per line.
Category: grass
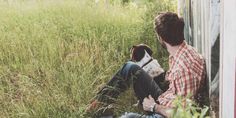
56,54
186,108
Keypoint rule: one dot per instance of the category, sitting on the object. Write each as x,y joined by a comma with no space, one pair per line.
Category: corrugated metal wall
228,58
202,28
210,26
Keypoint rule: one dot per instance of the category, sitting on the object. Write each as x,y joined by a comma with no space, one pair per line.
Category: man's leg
109,93
119,83
144,85
129,74
136,115
162,83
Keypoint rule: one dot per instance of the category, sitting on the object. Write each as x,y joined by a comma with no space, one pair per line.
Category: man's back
192,63
186,73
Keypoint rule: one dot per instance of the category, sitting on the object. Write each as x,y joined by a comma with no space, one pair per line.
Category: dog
141,54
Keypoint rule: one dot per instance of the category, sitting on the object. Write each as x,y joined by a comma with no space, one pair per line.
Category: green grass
56,54
186,108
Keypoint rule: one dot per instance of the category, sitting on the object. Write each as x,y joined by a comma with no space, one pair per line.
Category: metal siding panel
228,55
235,91
214,23
221,58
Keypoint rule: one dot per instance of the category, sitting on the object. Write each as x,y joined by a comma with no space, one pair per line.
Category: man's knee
130,67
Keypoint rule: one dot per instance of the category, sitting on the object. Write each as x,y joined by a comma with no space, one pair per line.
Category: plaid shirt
186,72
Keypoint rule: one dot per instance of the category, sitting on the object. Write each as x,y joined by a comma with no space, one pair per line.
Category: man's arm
149,103
163,110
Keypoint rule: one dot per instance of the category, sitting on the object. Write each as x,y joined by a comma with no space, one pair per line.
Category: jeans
135,115
130,75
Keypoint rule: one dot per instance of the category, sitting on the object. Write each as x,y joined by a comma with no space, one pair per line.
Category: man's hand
148,103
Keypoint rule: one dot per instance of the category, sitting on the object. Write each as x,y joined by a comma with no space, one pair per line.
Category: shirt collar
179,51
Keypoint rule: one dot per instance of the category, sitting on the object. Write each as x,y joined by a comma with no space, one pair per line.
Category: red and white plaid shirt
186,72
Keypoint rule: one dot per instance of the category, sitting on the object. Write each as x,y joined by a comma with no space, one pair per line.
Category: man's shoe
98,109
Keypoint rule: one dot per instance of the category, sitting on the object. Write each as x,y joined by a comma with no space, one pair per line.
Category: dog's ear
138,51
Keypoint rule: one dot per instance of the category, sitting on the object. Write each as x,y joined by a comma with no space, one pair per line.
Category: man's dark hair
170,28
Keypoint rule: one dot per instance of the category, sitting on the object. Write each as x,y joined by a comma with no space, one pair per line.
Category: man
185,73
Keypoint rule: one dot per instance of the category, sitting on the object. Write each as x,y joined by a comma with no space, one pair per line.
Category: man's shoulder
191,61
191,56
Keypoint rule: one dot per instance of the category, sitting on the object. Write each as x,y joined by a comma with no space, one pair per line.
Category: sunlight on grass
56,54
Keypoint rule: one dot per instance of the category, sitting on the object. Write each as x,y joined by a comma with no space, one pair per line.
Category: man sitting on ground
186,73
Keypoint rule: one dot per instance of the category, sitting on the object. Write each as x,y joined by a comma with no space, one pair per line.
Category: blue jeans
129,75
135,115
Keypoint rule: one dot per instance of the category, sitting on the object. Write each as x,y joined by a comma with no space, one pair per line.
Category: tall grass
56,54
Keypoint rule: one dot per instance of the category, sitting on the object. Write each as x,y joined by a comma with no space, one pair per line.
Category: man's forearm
163,110
149,104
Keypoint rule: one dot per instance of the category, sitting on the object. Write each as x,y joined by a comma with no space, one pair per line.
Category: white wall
228,58
205,16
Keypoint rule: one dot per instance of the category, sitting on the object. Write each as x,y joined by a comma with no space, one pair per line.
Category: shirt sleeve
185,83
182,85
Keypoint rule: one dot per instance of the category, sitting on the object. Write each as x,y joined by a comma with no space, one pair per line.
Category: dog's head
138,52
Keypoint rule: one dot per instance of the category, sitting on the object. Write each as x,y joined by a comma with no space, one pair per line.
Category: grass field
56,54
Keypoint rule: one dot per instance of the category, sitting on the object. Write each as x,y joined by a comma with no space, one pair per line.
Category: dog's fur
141,54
